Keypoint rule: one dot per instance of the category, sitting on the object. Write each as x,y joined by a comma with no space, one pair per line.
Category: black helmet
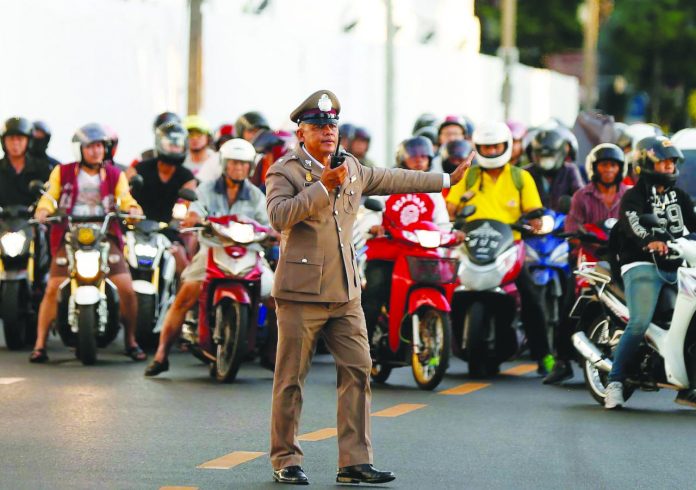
250,120
165,117
265,141
171,143
571,142
15,126
415,146
655,149
86,135
547,150
345,130
622,138
425,119
601,153
459,149
361,133
38,146
429,132
453,120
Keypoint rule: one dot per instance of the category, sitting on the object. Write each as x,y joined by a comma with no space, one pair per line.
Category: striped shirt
588,206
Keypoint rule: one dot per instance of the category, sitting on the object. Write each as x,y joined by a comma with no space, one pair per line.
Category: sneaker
614,395
546,364
562,371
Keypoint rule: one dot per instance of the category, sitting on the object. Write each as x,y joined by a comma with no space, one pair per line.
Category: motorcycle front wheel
86,332
146,321
14,321
432,360
600,331
232,347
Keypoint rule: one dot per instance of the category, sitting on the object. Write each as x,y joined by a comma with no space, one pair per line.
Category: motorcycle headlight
238,232
145,250
428,238
179,211
13,243
547,224
87,263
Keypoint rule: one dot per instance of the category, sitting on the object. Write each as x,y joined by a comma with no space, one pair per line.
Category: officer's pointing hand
458,173
333,177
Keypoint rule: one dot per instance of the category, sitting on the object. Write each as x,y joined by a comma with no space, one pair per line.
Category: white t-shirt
88,201
209,169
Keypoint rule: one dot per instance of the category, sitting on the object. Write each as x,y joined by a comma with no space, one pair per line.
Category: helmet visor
416,148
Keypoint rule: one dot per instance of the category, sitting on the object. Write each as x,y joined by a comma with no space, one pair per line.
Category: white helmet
238,149
493,134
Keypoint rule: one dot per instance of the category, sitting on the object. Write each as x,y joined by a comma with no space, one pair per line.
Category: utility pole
195,57
389,87
589,54
508,51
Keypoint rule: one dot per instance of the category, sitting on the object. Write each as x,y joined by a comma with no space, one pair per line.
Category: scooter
669,340
23,265
486,302
414,327
230,305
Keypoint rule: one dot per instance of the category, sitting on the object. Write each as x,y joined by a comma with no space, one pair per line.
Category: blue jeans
643,285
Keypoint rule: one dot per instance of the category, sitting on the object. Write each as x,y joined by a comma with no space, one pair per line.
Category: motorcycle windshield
486,240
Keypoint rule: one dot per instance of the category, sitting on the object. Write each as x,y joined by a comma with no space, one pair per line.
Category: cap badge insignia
324,103
308,163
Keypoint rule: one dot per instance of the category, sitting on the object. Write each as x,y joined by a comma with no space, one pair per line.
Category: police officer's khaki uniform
317,289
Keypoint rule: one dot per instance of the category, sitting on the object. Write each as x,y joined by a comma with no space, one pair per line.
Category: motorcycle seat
616,285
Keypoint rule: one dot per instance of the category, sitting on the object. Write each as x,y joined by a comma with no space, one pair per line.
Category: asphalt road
66,426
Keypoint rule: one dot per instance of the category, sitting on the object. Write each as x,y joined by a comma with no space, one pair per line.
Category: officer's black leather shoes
363,473
686,397
292,475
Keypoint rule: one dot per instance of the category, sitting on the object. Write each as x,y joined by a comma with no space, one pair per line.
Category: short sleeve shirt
499,200
157,198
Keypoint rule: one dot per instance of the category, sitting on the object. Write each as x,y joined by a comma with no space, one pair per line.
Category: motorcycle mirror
36,186
374,204
466,211
136,182
649,221
188,195
564,204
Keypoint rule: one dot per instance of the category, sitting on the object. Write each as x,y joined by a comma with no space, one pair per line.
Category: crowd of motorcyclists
204,192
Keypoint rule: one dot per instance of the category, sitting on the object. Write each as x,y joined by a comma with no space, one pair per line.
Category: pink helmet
517,129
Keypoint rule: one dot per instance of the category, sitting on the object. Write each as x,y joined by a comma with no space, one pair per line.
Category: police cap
322,107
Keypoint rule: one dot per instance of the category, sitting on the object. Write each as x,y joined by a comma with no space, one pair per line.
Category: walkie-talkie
338,157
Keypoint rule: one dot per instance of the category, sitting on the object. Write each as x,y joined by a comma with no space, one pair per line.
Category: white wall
121,62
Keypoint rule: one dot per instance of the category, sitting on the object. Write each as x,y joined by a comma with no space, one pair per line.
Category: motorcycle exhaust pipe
590,352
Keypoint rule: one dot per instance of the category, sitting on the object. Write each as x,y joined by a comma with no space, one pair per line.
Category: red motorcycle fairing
427,297
231,290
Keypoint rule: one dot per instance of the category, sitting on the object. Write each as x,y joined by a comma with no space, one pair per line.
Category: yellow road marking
398,410
465,389
319,435
178,488
230,460
521,369
9,381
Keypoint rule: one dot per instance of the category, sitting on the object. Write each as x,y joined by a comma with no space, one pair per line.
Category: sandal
38,356
135,353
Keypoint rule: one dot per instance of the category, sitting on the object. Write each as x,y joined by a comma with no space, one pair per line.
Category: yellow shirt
499,200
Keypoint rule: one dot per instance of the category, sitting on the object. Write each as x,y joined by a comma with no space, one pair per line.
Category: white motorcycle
668,358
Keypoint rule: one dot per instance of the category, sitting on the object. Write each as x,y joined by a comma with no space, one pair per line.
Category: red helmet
223,134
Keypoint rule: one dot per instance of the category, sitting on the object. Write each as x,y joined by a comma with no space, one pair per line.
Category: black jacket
673,208
14,188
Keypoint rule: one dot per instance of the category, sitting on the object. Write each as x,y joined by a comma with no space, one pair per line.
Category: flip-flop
135,353
38,356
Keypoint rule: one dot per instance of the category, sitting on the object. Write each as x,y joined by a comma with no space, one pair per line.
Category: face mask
547,163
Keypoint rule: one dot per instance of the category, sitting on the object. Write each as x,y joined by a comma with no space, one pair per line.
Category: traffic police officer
317,284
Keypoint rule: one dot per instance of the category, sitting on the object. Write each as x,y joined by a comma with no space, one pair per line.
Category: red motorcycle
230,303
414,327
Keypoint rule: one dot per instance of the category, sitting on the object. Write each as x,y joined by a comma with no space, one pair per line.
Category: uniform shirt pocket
302,273
351,199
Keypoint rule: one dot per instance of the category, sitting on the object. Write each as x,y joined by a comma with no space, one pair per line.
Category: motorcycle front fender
144,287
542,276
427,297
87,295
233,291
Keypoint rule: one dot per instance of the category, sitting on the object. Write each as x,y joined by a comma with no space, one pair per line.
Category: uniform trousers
343,328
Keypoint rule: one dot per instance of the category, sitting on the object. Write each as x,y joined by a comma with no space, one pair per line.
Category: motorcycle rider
40,137
18,167
453,128
161,118
163,176
518,131
554,176
496,195
87,187
359,144
201,159
645,269
231,193
248,125
415,153
223,134
594,203
269,146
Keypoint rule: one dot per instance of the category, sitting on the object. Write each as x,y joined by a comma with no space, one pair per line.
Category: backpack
475,173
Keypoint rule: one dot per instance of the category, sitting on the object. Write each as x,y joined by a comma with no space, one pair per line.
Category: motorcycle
414,327
668,340
486,302
23,264
229,307
546,257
